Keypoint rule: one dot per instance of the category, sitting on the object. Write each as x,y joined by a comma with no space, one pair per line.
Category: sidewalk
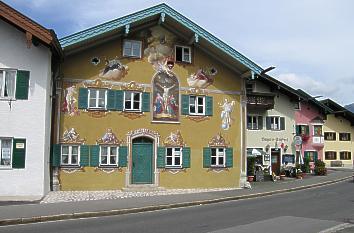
37,212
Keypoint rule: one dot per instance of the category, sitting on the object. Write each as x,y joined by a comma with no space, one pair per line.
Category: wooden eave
31,28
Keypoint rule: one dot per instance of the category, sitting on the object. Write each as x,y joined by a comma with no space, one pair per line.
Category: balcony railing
257,100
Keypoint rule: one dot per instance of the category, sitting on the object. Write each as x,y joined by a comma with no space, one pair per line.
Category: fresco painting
114,70
202,78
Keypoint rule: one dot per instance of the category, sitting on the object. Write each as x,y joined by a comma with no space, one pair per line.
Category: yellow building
150,100
338,135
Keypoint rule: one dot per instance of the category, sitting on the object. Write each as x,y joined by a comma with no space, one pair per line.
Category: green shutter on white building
22,84
185,105
145,102
94,156
84,156
161,152
206,157
208,105
229,157
111,99
119,100
56,154
19,153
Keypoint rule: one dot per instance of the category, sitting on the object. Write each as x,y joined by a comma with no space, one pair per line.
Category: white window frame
109,155
313,130
174,154
184,47
3,84
97,90
132,101
257,122
70,147
272,123
196,105
219,152
131,48
335,135
11,152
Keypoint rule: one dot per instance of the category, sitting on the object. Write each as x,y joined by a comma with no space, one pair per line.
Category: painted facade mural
109,138
165,98
114,70
227,108
202,78
69,103
160,49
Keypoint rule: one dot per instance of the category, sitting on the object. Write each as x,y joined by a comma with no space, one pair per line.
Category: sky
311,43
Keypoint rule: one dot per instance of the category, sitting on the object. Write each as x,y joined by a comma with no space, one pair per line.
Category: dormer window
183,54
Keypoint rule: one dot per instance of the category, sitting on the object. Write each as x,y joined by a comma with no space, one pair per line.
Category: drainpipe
243,175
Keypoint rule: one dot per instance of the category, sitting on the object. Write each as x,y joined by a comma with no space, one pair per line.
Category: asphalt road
307,211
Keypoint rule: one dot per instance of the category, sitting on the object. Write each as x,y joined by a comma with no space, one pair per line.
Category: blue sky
311,43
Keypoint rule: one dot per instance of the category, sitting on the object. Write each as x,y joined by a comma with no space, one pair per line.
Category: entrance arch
142,150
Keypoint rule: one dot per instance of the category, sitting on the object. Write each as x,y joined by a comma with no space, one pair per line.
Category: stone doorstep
142,188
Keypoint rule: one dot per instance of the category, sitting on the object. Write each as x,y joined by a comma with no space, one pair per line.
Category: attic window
132,48
95,61
183,54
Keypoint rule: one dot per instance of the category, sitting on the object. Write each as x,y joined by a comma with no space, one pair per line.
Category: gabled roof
311,99
164,13
339,110
27,25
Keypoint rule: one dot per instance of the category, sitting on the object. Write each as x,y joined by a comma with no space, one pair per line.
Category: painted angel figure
70,135
227,108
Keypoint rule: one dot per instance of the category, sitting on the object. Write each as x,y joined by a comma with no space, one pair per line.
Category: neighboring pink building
309,119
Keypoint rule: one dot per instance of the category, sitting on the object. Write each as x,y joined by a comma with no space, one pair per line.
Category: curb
37,219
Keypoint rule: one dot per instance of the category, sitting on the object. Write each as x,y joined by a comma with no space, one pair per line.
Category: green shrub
320,168
306,166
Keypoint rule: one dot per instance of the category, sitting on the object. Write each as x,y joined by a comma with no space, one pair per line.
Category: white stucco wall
283,107
28,119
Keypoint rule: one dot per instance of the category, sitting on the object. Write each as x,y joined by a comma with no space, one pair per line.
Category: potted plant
299,174
320,168
250,168
282,173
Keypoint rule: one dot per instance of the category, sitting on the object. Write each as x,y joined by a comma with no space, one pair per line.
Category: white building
27,51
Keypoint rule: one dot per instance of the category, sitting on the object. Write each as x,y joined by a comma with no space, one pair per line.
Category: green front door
142,154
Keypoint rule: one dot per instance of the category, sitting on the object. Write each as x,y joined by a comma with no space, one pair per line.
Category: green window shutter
161,152
119,100
208,105
123,156
307,130
297,129
260,122
282,123
111,99
206,157
83,98
145,102
19,153
229,157
186,153
84,156
94,156
185,105
315,156
268,123
22,84
56,154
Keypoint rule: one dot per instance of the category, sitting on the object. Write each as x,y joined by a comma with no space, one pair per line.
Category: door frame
155,136
280,157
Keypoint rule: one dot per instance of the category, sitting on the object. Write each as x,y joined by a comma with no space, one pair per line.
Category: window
97,98
183,54
297,105
132,48
288,158
275,123
345,155
317,130
109,156
330,136
70,155
249,87
132,101
174,157
330,155
344,136
303,130
7,83
218,157
254,122
196,105
5,152
311,155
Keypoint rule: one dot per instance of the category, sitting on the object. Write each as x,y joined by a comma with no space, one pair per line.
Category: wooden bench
337,163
